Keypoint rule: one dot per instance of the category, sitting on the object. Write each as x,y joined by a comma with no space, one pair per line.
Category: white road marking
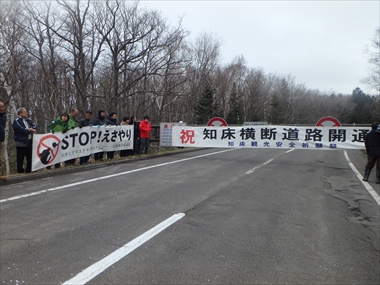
257,167
360,177
91,272
290,150
108,176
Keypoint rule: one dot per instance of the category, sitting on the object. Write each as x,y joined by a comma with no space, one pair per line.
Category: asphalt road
211,216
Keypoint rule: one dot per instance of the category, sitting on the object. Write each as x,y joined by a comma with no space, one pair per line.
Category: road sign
328,122
217,122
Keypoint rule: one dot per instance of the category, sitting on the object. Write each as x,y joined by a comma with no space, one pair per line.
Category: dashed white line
257,167
91,272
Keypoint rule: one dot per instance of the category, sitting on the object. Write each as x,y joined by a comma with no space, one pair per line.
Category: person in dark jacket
86,122
372,146
136,135
112,121
100,120
3,121
23,129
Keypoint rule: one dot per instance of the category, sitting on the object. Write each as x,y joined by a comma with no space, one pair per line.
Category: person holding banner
112,121
72,123
145,129
100,120
23,129
136,135
86,122
59,125
372,146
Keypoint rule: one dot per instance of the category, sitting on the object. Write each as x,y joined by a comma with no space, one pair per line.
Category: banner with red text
270,137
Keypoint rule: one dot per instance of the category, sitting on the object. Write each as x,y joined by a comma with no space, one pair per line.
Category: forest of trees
116,56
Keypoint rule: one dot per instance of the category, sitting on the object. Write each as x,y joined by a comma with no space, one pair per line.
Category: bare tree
82,44
373,54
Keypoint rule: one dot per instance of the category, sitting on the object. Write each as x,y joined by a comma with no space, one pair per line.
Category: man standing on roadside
3,120
23,128
372,146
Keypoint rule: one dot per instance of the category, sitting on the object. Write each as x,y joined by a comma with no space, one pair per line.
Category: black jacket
372,143
3,121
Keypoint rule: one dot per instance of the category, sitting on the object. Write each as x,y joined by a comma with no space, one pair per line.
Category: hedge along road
216,216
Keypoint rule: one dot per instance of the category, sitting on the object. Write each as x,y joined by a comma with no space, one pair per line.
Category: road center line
91,272
257,167
360,177
108,176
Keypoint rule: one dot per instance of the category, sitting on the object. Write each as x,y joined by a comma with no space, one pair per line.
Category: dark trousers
372,160
98,156
144,145
24,152
110,154
84,159
136,145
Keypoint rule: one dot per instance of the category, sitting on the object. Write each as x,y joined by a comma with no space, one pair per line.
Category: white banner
49,149
270,137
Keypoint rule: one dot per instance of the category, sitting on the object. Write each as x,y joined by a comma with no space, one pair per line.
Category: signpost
217,122
328,122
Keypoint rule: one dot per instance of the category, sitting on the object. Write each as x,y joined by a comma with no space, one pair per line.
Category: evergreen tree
206,108
235,115
364,104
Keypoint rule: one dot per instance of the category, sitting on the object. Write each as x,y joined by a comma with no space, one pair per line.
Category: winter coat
372,143
100,121
3,121
21,132
58,125
145,129
136,130
71,122
85,123
112,122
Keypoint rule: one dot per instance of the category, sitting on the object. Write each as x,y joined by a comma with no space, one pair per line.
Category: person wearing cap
86,122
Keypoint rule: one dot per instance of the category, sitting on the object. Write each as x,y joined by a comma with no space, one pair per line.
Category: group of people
141,131
24,128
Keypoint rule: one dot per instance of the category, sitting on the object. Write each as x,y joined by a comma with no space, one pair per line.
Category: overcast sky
320,43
